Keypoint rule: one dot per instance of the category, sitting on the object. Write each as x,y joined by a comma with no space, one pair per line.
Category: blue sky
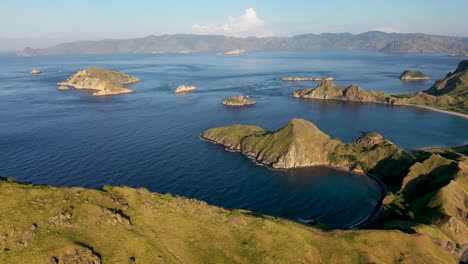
42,23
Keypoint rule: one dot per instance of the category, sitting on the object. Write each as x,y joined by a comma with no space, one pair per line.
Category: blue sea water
150,138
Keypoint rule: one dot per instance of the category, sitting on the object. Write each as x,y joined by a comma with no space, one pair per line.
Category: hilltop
369,41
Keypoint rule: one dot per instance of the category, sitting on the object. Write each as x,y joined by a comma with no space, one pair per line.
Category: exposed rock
36,71
63,88
238,101
106,82
300,79
185,88
236,52
413,76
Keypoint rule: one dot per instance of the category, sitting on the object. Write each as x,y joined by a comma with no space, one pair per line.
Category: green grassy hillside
43,224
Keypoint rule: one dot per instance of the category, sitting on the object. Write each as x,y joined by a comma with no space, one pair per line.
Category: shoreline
379,206
438,110
369,102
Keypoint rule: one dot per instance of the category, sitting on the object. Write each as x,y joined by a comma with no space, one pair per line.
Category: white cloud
387,29
249,24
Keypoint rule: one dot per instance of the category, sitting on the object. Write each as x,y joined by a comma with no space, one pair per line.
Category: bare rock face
185,88
36,71
106,82
238,101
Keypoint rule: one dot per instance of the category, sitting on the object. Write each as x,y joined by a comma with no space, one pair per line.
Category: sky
44,23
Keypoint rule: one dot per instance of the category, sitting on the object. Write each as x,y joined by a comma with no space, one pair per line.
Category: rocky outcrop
105,82
235,52
63,88
185,88
413,76
238,101
36,71
300,144
301,79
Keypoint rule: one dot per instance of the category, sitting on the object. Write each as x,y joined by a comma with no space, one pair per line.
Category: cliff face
106,82
301,144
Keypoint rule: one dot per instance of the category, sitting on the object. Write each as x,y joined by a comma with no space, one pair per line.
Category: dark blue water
151,138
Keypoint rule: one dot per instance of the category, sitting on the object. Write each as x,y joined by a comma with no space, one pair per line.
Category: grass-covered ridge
44,224
447,94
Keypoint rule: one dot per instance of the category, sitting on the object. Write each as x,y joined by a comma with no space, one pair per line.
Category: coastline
369,102
379,206
438,110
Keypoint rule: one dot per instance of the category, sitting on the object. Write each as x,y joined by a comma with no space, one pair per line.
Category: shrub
107,187
236,212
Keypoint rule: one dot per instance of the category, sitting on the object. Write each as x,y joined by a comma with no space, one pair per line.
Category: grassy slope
42,223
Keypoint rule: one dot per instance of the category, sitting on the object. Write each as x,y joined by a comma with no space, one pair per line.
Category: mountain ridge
187,43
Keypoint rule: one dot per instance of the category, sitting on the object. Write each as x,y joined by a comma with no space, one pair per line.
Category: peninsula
448,94
238,101
301,144
105,82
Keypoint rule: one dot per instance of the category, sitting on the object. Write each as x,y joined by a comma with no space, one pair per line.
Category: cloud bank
247,25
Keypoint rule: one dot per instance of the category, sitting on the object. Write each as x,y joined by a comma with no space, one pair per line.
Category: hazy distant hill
185,43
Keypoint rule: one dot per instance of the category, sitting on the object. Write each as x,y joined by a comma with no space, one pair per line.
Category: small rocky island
36,71
105,82
185,88
413,76
238,101
301,79
235,52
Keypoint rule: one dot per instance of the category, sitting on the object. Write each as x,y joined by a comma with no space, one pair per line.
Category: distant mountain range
187,43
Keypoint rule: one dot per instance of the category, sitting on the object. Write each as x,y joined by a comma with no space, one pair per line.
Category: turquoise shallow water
151,138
